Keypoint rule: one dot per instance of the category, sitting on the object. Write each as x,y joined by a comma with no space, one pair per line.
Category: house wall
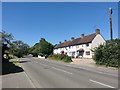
70,49
98,40
87,49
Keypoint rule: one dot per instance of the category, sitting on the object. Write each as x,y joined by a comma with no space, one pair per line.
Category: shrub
60,57
67,59
108,55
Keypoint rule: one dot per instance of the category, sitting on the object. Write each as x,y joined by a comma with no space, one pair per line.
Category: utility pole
111,36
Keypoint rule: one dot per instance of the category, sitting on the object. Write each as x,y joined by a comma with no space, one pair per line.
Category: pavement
17,80
14,77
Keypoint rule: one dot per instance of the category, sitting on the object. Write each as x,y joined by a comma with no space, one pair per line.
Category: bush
67,59
108,55
60,57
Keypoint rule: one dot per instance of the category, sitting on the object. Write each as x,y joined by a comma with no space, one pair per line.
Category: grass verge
15,61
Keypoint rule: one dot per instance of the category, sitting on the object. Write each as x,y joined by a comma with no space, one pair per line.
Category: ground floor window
73,53
87,52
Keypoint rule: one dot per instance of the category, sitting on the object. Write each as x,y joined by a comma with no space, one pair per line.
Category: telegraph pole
111,36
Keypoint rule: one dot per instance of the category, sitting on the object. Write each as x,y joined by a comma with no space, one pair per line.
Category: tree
5,40
19,48
42,48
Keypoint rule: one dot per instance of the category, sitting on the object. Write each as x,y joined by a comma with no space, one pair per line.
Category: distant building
80,47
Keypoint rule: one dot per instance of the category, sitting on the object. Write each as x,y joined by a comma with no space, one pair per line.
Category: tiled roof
77,41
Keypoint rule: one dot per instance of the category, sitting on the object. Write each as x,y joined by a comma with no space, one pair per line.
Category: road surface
51,74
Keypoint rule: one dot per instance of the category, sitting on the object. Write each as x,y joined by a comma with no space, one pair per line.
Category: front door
81,53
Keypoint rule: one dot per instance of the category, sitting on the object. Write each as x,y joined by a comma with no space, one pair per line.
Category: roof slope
77,41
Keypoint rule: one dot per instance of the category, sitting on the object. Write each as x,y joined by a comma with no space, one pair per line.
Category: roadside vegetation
42,48
60,57
109,54
12,48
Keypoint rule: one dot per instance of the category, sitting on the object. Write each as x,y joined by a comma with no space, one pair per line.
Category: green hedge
109,54
60,57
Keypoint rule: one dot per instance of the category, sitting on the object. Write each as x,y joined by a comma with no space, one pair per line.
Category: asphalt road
51,74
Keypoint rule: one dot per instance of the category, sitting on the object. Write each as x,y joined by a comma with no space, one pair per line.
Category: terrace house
80,47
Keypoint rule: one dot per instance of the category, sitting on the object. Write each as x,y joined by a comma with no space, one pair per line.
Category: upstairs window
87,44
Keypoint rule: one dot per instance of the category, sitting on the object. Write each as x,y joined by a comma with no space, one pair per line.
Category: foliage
60,57
42,48
5,40
18,48
108,55
11,49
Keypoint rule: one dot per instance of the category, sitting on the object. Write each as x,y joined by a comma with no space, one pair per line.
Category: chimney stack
97,31
72,38
65,41
59,42
82,35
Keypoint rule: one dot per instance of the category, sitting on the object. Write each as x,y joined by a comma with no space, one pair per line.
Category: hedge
109,54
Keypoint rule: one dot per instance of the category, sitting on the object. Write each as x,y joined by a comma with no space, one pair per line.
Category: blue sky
57,21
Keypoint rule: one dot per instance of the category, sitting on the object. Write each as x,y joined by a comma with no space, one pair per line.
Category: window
87,44
87,52
77,46
66,48
73,53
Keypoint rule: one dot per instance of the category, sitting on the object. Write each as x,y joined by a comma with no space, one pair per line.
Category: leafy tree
19,48
42,48
5,41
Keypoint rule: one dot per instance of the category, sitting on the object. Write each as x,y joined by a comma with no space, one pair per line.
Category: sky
57,21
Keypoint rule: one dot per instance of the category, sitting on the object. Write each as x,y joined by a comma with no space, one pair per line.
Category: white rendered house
80,47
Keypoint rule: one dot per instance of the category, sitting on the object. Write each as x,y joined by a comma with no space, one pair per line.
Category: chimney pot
65,41
97,31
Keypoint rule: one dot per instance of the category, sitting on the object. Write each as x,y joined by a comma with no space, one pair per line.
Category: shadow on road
23,61
9,67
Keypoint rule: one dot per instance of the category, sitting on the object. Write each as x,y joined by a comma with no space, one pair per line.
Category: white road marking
30,80
61,70
101,83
